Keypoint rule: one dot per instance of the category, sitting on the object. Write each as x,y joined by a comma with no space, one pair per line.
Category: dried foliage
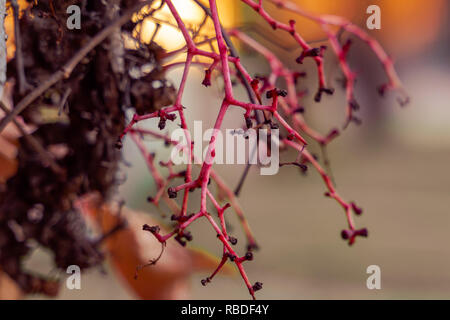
77,123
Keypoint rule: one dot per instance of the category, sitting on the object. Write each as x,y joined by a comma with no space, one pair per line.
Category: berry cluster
283,111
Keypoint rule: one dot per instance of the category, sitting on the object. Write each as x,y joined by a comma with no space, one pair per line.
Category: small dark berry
171,116
314,52
299,110
249,256
248,122
188,236
328,91
257,286
382,89
180,241
152,229
363,232
233,240
162,124
282,93
207,80
354,105
346,234
303,167
172,193
318,96
357,210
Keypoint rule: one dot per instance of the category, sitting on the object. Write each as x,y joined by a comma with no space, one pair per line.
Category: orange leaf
131,247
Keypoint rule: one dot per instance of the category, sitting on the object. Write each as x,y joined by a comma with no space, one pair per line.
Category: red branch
292,122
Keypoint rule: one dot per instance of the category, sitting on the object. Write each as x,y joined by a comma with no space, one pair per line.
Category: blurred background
395,165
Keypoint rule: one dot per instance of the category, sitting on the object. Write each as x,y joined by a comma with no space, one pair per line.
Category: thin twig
151,262
233,53
119,226
248,89
238,188
23,84
63,101
35,144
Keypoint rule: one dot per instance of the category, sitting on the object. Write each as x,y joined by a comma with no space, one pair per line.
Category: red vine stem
326,20
292,122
